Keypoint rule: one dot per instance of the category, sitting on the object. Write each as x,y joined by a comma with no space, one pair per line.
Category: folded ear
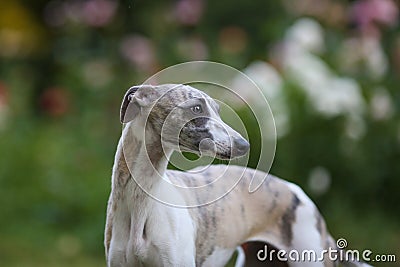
129,110
136,97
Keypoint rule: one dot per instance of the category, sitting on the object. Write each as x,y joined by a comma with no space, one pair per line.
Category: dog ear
136,97
129,110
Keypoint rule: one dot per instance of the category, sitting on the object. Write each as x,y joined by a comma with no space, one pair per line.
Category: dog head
184,118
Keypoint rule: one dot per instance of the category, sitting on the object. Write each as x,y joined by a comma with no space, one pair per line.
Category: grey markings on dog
288,219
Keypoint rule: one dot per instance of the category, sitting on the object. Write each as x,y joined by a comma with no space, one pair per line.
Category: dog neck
139,167
140,161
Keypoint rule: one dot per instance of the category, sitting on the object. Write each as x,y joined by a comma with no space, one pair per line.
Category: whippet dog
141,230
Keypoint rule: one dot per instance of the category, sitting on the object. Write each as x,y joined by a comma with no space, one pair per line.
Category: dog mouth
208,147
213,142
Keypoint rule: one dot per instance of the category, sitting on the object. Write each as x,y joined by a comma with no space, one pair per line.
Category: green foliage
61,82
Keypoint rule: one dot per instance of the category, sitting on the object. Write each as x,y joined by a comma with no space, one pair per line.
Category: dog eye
197,109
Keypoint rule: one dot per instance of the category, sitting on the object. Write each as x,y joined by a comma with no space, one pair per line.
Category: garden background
330,70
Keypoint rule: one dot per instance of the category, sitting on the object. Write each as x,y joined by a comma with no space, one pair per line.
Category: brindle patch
193,132
288,219
273,205
200,122
157,117
205,243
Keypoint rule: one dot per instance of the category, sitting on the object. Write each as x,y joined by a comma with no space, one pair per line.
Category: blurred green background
330,70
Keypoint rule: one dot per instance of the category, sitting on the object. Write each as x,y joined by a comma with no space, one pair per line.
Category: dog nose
241,145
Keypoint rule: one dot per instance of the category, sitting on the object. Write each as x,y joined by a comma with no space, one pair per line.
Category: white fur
219,257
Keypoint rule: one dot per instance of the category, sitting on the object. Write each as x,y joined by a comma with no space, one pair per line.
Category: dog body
147,223
278,213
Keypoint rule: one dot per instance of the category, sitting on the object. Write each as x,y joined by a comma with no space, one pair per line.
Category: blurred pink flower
188,12
95,13
99,13
54,101
139,51
368,14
